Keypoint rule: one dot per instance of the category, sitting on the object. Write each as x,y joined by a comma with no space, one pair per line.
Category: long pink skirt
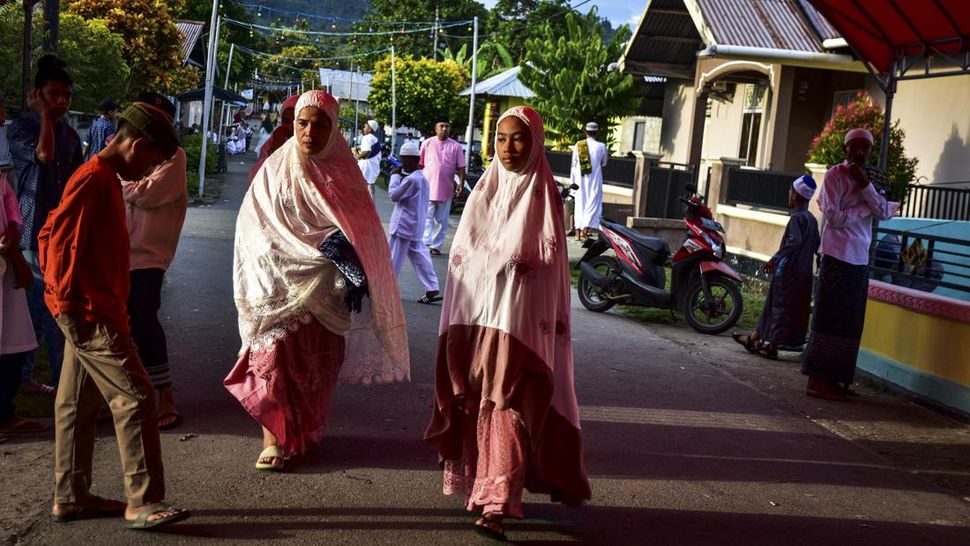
492,470
288,386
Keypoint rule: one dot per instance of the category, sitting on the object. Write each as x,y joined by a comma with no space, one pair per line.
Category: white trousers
420,260
437,227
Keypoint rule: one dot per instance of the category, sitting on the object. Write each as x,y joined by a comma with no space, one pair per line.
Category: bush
826,148
192,144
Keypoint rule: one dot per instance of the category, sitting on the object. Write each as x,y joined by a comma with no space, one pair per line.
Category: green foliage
426,89
515,22
493,58
242,64
192,144
573,84
863,112
93,53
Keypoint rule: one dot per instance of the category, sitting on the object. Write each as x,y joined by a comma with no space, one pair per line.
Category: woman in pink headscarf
317,298
505,415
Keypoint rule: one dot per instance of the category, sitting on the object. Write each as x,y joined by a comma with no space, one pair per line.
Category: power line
253,26
340,58
260,8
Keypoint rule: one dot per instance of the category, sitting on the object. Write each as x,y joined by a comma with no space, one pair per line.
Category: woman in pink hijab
505,415
317,298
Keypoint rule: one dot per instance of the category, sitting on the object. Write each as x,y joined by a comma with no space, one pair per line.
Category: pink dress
16,332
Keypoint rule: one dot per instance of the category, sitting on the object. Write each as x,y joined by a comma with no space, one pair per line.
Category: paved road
681,447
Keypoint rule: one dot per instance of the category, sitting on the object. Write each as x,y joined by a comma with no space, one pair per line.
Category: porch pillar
697,131
717,192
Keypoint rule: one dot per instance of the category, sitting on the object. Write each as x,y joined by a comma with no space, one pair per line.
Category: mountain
351,9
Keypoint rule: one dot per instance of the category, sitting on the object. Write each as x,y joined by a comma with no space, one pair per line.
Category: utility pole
28,32
470,132
434,54
210,74
393,101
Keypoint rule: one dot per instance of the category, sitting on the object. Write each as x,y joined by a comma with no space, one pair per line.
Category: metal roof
191,30
504,84
672,32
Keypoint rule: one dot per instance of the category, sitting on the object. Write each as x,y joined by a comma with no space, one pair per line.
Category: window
843,98
754,105
639,128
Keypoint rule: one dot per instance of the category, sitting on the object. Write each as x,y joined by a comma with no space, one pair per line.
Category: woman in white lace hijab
317,298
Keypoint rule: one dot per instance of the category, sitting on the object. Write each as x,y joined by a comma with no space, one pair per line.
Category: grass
752,294
37,405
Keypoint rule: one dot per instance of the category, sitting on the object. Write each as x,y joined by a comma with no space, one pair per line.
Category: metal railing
762,189
666,185
937,202
921,261
619,171
560,162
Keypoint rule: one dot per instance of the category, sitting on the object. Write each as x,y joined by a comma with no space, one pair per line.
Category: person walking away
316,295
442,159
16,334
848,202
409,191
505,414
102,129
369,155
266,129
85,256
589,158
280,135
155,207
45,151
784,319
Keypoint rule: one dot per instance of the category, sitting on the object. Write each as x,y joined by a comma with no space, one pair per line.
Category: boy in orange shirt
84,254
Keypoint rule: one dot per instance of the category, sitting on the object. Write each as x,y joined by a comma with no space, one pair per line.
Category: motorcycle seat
655,244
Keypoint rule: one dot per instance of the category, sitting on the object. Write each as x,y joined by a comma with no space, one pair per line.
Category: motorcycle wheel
589,295
728,302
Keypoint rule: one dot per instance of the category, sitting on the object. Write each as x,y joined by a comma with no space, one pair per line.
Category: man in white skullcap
784,320
410,192
848,201
369,154
589,158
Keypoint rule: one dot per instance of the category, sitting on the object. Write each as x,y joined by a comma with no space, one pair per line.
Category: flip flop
176,420
141,523
92,511
434,252
490,528
33,387
20,425
270,452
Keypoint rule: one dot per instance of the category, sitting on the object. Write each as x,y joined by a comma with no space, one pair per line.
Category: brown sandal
491,528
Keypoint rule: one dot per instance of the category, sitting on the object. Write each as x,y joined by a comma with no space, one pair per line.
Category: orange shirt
84,249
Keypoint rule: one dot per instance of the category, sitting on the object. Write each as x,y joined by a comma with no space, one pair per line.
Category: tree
515,22
152,41
426,89
80,41
493,58
573,81
242,64
862,111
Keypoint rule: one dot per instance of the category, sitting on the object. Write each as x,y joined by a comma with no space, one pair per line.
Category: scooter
702,287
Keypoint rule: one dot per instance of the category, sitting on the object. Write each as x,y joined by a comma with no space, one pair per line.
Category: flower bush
862,111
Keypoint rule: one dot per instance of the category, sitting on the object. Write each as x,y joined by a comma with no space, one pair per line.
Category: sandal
97,508
141,522
176,420
33,387
491,528
20,425
272,453
745,340
434,252
818,388
768,350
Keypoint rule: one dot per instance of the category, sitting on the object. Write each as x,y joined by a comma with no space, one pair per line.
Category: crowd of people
315,287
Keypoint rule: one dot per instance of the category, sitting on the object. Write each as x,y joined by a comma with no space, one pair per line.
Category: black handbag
338,250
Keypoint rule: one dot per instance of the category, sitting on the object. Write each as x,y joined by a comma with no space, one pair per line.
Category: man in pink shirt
155,206
848,202
442,159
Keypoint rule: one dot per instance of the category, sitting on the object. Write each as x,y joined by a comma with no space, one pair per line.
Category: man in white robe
369,155
589,158
409,190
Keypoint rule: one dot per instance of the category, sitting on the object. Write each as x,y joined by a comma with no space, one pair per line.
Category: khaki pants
99,362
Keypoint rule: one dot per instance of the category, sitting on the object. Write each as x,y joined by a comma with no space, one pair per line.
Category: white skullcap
373,125
592,126
805,186
858,133
409,149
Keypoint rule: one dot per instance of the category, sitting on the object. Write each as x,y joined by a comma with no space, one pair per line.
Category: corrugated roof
191,30
504,84
770,24
823,28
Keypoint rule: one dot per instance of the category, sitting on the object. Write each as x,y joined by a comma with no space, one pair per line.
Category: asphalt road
680,449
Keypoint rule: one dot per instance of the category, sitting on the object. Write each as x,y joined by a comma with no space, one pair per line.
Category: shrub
192,144
863,112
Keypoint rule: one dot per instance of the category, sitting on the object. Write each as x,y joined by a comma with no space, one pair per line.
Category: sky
619,12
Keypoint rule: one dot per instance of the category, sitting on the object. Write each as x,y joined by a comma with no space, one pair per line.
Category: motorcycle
702,287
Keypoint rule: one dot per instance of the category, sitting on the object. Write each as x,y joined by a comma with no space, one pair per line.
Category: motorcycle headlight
718,251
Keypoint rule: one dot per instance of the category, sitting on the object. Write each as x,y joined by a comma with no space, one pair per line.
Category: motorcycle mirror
574,186
691,188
